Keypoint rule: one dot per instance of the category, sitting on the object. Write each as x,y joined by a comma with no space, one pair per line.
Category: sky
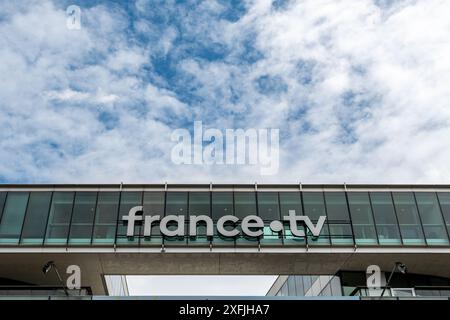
358,89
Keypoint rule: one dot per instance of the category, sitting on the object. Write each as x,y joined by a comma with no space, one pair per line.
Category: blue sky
359,89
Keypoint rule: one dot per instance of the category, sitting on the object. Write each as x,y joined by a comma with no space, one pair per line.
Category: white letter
181,152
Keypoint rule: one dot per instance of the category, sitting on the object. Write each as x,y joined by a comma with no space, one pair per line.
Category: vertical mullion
326,214
48,218
188,215
442,215
280,218
95,216
117,217
350,218
142,222
257,214
210,215
234,214
163,240
24,217
3,206
71,216
373,217
303,213
396,217
420,219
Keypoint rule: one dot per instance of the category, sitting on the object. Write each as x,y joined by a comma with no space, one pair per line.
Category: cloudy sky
359,89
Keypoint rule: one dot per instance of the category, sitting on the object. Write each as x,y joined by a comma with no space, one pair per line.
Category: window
83,218
269,210
106,218
431,217
36,218
408,218
199,204
153,206
59,218
245,205
12,218
128,200
314,207
444,200
338,218
291,201
2,202
176,204
222,205
362,220
385,219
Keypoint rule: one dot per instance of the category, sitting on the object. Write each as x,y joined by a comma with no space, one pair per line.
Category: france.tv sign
250,226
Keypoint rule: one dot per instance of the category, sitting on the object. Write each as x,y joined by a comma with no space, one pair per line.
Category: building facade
362,225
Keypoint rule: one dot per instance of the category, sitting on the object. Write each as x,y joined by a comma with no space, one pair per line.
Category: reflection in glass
444,200
128,200
106,218
314,206
36,218
83,218
59,218
2,202
431,217
13,215
338,218
408,218
385,219
153,206
199,204
362,220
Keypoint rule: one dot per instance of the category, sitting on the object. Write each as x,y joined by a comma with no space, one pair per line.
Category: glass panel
245,205
408,218
199,204
385,219
2,202
176,204
83,218
222,205
153,206
291,201
338,218
444,199
268,210
432,221
362,219
59,218
314,206
36,218
13,215
128,200
106,218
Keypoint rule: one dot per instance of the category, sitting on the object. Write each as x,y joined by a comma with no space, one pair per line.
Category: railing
416,291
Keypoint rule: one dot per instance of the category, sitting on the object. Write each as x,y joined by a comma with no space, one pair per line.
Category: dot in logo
276,226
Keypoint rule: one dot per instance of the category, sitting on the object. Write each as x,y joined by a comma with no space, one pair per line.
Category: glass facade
370,218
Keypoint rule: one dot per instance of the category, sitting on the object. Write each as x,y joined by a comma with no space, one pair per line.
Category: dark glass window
431,217
314,206
128,200
59,218
2,202
13,215
244,204
83,218
106,218
153,206
176,204
408,218
291,201
222,204
444,199
199,204
36,218
268,208
338,218
362,219
385,219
